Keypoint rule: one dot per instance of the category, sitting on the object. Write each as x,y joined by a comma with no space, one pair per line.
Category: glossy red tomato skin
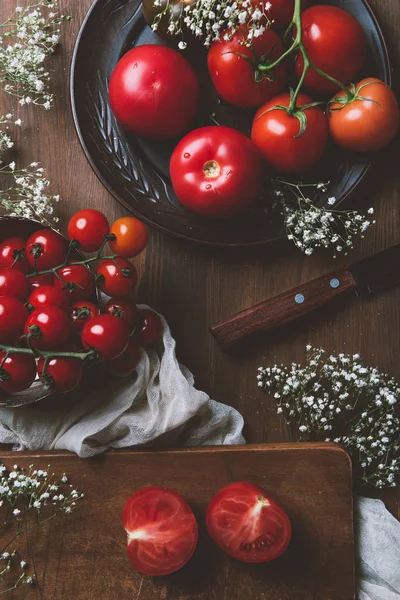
274,132
65,372
50,295
149,329
89,227
335,43
114,282
123,309
125,364
55,327
7,260
105,334
233,75
232,525
365,125
14,283
13,314
21,369
173,527
79,275
131,237
154,92
38,280
223,192
79,322
53,246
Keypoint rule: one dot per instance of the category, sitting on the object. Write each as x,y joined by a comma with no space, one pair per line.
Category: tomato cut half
162,531
247,523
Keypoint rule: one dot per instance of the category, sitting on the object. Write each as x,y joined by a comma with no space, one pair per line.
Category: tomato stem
47,354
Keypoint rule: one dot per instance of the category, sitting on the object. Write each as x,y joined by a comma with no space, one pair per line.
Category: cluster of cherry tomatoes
51,322
217,171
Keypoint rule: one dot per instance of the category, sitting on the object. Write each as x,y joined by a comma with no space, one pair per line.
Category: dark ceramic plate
135,171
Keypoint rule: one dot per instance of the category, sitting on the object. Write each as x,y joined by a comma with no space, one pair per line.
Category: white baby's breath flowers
338,398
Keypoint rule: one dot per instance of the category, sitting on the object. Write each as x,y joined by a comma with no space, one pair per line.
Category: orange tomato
131,237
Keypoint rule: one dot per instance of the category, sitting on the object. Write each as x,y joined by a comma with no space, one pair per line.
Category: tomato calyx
352,95
261,65
295,111
18,256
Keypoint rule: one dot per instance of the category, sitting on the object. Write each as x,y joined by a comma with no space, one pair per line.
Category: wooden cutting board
82,556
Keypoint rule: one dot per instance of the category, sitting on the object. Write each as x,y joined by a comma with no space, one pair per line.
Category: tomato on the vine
61,374
50,295
124,310
81,312
335,43
38,280
154,92
13,254
369,121
46,249
105,334
116,277
276,134
247,523
17,371
236,69
89,227
162,530
13,314
125,364
131,237
14,283
77,279
216,172
48,327
149,330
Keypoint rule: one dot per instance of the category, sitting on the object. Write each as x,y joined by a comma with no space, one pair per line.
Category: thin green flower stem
14,587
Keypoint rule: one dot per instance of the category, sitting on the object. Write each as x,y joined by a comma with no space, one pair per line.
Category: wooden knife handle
283,309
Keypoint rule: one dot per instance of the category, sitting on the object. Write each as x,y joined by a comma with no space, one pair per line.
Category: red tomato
13,315
154,92
247,523
89,227
150,328
38,280
17,371
77,279
274,133
366,123
216,172
12,254
48,247
116,279
131,237
63,374
123,309
124,365
105,334
335,43
49,326
14,283
235,72
162,531
50,295
81,312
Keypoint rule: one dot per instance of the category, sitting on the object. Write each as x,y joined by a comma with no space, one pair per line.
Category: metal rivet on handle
334,283
299,298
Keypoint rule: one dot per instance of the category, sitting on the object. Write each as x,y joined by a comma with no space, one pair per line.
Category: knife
366,277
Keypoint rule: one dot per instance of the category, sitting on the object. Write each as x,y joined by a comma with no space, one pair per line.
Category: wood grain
83,556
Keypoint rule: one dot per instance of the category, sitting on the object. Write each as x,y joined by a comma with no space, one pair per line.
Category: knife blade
368,276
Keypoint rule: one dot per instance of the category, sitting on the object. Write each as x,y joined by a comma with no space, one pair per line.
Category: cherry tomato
131,237
124,310
106,334
234,68
335,43
116,279
274,133
124,365
216,172
81,312
13,315
49,248
162,531
154,92
50,295
78,280
14,283
150,329
63,374
247,523
367,123
89,227
17,371
49,326
12,254
38,280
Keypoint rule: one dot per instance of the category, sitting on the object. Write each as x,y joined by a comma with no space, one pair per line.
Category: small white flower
16,512
23,564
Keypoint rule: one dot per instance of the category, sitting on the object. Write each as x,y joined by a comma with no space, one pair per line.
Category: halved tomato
247,523
162,530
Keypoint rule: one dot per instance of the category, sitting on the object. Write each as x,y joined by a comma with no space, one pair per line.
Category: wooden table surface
194,287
